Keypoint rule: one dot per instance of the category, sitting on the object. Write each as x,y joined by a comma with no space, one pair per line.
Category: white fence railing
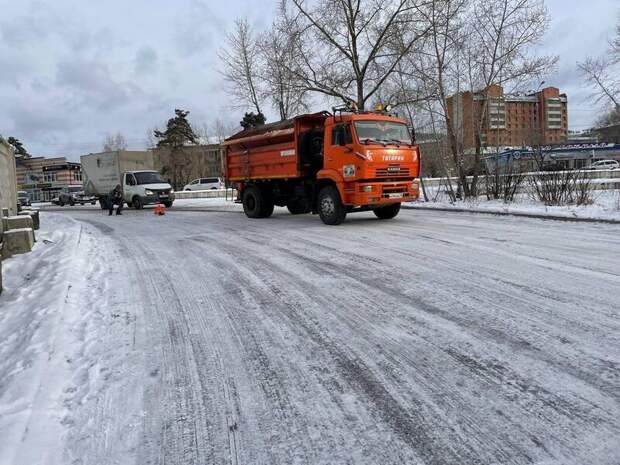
601,179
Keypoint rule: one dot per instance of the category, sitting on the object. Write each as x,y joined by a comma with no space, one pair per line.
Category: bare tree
282,87
223,129
241,65
114,142
498,50
601,73
438,68
615,43
349,48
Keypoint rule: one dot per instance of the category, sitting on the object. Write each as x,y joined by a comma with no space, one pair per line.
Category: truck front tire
388,212
330,207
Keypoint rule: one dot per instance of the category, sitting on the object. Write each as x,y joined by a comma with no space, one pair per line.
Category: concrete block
34,214
17,241
17,222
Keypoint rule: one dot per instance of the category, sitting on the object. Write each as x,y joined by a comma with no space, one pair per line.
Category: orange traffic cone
159,209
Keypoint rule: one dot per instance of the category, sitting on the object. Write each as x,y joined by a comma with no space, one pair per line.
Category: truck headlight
415,186
172,191
367,188
149,192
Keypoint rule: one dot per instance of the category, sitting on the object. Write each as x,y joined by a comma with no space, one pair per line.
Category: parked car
204,184
23,199
71,195
604,165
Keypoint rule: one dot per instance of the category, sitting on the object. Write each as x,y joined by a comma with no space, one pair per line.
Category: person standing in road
116,197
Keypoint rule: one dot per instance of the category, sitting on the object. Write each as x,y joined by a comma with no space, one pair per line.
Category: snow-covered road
202,337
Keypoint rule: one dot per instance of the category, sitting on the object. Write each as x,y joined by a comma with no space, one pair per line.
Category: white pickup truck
133,170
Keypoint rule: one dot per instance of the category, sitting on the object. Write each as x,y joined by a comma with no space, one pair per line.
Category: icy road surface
203,337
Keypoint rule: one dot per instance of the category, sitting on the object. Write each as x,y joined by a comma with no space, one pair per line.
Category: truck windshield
383,132
75,189
148,177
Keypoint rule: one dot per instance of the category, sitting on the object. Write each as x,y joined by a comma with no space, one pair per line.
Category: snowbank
606,207
57,324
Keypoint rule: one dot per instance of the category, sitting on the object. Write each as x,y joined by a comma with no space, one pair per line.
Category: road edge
516,214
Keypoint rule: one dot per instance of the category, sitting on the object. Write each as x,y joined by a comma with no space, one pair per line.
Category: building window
77,176
50,177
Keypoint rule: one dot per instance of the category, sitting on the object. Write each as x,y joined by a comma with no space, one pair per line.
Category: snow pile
606,206
54,318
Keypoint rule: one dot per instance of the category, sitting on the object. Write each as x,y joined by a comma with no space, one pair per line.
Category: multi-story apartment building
43,178
513,120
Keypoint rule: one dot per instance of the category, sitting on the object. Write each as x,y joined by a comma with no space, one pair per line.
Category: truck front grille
392,171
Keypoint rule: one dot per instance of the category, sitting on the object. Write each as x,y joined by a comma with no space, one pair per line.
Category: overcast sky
72,71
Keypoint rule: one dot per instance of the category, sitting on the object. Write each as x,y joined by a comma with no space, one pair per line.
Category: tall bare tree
601,73
282,87
349,48
241,70
439,69
499,50
114,142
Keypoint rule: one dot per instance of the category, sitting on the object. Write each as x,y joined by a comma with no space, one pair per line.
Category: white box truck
133,170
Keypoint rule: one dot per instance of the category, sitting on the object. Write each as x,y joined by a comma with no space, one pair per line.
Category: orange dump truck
326,164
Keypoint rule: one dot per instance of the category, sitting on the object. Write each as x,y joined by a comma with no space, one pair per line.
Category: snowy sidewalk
606,208
56,319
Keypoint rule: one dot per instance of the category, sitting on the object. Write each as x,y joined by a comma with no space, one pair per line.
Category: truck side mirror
413,134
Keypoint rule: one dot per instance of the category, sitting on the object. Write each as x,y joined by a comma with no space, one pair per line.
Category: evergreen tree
251,120
178,133
20,150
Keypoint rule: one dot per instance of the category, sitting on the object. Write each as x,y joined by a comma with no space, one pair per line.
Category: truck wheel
388,212
168,204
61,203
253,201
72,202
330,207
136,202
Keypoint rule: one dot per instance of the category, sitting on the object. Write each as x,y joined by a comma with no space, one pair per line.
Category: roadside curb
517,214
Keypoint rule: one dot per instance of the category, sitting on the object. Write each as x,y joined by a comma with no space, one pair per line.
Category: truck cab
372,160
146,187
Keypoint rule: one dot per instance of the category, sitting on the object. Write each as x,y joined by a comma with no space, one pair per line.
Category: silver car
204,184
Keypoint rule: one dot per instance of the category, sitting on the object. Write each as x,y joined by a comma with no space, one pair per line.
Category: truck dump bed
102,171
270,151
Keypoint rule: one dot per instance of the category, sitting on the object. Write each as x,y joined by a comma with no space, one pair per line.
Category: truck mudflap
380,193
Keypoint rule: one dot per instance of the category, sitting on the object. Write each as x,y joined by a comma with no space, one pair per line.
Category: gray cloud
72,72
145,61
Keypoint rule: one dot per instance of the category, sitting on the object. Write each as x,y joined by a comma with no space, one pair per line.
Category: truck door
129,187
341,150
